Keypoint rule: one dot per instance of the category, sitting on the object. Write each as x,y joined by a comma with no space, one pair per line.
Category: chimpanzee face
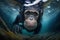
31,17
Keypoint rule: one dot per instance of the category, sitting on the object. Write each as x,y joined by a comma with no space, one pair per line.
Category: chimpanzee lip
31,11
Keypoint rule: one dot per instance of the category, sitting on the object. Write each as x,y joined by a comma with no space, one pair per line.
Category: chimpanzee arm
18,19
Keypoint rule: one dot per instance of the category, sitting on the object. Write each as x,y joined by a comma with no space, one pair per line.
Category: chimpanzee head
32,17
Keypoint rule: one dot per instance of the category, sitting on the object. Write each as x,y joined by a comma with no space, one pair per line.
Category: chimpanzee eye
35,14
27,13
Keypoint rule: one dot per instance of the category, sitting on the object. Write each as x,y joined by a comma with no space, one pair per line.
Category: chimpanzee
30,16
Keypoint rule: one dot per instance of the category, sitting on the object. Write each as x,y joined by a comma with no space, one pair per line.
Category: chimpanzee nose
31,18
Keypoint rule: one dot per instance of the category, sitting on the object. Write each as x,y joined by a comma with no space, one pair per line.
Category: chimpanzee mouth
30,27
